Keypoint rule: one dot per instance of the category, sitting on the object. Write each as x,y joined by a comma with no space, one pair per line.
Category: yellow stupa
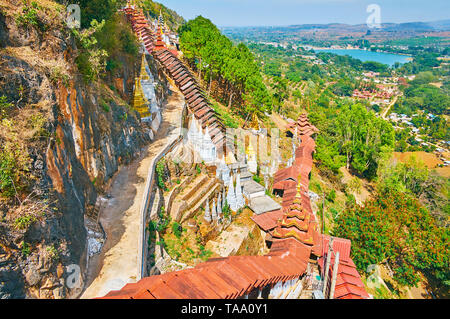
229,158
254,124
298,196
140,103
252,161
144,75
250,150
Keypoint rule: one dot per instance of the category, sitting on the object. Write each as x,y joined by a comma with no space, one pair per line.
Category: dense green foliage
354,137
14,168
423,61
231,68
29,17
91,60
161,174
414,178
396,229
97,10
104,38
423,97
103,47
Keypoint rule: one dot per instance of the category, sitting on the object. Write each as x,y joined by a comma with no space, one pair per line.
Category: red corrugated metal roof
341,245
348,282
268,220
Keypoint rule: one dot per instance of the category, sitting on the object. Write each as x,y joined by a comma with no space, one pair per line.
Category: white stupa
223,171
214,211
207,213
219,206
207,149
201,141
224,197
231,196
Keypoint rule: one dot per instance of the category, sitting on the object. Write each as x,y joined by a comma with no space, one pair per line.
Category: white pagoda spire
214,211
239,198
207,214
224,197
223,172
219,206
231,196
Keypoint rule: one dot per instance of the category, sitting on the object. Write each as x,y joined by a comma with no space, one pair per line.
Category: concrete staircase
198,199
193,197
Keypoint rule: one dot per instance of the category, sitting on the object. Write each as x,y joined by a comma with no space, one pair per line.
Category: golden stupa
140,103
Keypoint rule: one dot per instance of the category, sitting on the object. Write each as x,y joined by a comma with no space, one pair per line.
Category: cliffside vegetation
65,127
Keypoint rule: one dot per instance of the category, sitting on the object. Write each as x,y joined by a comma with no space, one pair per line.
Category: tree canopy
231,67
395,228
355,138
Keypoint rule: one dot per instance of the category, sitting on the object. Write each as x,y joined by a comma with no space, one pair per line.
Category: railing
142,256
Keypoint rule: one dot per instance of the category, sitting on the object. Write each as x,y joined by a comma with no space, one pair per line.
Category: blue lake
363,55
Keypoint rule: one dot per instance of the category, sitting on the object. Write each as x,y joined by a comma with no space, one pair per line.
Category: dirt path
363,194
117,264
386,110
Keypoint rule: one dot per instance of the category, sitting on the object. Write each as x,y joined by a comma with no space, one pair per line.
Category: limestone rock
33,277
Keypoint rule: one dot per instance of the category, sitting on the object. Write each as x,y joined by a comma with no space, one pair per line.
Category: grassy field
429,159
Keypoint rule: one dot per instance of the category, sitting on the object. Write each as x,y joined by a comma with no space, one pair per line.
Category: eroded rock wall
89,132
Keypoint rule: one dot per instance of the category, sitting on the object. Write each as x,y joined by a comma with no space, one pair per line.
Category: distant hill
442,25
335,32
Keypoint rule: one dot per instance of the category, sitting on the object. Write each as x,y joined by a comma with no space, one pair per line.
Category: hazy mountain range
441,25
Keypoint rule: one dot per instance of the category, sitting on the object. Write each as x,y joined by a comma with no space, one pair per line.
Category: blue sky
288,12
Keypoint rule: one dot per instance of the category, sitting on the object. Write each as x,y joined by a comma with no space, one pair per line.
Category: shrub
226,210
14,161
160,173
23,222
163,222
257,179
57,74
29,16
355,185
26,249
204,253
396,228
53,252
334,212
104,105
177,229
4,106
92,59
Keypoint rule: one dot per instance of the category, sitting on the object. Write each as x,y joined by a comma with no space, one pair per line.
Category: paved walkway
117,264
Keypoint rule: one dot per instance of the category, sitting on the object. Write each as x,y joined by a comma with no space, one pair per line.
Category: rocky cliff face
72,136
